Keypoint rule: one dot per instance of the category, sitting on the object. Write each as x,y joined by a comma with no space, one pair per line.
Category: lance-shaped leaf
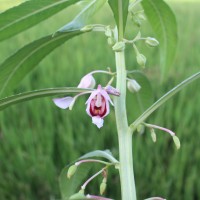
162,100
98,153
81,19
15,67
28,14
120,11
163,23
26,96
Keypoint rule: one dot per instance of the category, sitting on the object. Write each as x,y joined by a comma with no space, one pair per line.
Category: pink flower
87,81
98,106
63,102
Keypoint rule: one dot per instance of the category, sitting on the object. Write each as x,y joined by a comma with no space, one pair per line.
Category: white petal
87,81
63,102
98,121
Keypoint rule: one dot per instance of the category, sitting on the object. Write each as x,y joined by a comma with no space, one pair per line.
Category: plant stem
124,135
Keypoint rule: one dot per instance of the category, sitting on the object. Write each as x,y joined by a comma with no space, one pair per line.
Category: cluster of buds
152,128
98,103
80,195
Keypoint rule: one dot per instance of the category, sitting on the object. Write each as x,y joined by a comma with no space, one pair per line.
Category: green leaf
26,15
68,187
81,19
162,100
163,23
15,67
120,11
144,97
98,153
26,96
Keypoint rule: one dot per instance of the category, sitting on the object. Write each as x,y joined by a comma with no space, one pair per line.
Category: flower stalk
128,190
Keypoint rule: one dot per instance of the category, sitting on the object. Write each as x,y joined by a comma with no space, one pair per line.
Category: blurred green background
37,139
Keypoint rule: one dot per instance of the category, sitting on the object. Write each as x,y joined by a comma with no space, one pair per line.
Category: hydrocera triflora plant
15,67
98,103
98,107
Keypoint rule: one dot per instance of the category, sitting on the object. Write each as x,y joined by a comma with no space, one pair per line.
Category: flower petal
63,102
98,121
111,90
87,81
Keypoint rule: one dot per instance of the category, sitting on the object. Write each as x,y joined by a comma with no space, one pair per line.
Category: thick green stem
124,135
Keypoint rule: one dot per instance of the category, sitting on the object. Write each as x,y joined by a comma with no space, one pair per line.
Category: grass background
37,139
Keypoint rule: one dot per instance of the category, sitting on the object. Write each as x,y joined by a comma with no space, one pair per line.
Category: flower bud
141,59
153,135
111,90
119,46
71,171
87,81
111,41
151,42
103,187
140,128
177,142
87,28
133,86
108,32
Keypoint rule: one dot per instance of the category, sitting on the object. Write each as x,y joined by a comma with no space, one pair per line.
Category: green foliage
163,23
144,97
68,187
16,67
38,139
164,98
104,154
123,7
81,19
27,14
18,98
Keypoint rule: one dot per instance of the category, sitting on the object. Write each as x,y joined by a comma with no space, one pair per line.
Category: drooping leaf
68,187
163,23
26,96
81,19
28,14
120,11
163,99
15,67
98,153
144,97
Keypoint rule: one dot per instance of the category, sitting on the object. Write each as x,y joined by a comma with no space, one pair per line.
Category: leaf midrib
32,13
23,60
161,22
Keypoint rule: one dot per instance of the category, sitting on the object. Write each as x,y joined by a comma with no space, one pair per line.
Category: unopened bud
177,142
103,187
108,32
133,85
153,135
71,171
140,128
119,46
141,59
111,90
87,28
87,81
111,41
151,42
